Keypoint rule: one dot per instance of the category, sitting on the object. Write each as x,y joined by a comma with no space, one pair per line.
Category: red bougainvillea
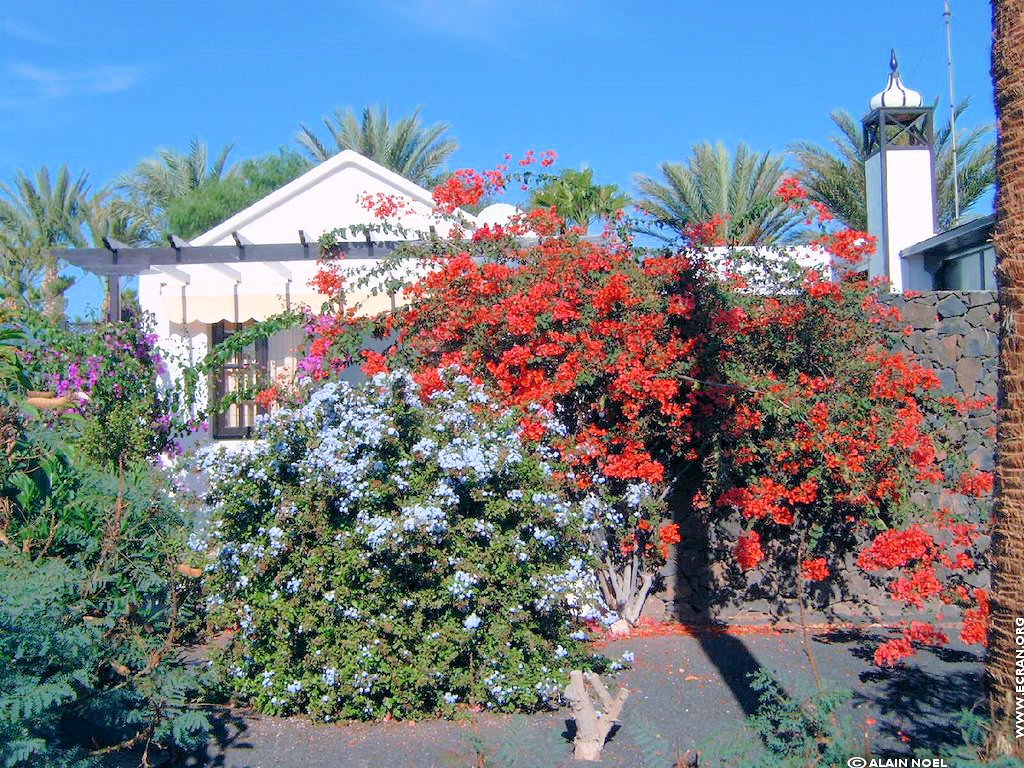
814,570
641,367
748,550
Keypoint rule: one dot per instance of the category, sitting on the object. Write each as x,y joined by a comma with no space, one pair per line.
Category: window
971,271
241,372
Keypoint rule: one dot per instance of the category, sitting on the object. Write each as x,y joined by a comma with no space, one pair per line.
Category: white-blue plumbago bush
378,554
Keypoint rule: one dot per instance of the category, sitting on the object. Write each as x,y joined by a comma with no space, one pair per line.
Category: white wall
911,214
909,196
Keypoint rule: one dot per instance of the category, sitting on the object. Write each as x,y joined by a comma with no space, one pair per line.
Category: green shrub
91,608
381,555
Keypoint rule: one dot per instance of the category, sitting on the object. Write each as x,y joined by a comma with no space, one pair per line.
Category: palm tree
147,189
741,187
578,200
407,147
1007,555
107,216
37,215
835,176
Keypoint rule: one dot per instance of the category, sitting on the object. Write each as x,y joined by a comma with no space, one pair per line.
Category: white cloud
30,82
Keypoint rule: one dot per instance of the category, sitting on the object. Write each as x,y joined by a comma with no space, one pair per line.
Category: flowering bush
117,368
830,438
381,552
569,327
587,332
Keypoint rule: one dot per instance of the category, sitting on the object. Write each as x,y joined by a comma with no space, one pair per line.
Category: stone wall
955,332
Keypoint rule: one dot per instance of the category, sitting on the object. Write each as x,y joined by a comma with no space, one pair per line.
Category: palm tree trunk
53,297
1007,555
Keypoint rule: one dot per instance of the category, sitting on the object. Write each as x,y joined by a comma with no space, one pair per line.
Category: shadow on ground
926,702
735,664
227,737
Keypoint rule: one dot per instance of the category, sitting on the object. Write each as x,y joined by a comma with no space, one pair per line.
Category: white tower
899,169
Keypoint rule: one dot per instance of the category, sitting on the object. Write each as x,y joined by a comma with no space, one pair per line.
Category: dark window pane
241,372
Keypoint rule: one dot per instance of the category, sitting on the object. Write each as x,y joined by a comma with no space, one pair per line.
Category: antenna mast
952,116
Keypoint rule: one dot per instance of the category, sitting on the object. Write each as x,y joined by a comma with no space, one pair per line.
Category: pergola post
113,299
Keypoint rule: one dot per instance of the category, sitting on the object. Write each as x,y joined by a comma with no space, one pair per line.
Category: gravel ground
685,691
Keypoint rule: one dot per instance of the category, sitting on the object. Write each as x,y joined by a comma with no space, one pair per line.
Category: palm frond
149,187
713,181
406,147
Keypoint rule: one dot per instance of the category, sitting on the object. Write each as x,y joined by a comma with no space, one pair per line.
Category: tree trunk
53,292
592,725
1007,599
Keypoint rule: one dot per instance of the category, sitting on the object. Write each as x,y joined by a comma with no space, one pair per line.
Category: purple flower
93,365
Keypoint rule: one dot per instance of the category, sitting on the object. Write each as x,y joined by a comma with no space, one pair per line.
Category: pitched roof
307,181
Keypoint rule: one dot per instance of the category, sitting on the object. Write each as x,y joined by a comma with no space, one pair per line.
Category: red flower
818,288
669,535
976,484
708,232
634,463
975,629
824,214
891,652
894,549
926,634
328,280
464,187
615,291
374,363
267,397
790,190
915,589
848,247
748,550
814,570
384,206
532,429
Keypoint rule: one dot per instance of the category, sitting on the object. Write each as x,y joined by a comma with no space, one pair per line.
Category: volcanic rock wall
955,333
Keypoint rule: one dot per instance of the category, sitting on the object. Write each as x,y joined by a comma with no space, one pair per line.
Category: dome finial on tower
896,94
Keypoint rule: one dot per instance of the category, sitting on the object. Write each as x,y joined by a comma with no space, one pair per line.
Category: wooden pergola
117,260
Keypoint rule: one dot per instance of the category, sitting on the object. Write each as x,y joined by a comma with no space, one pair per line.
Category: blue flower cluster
366,526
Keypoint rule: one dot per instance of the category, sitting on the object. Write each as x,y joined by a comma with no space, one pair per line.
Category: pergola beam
178,274
121,259
279,268
224,269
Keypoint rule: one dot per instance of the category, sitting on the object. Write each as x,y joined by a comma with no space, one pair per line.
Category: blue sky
621,86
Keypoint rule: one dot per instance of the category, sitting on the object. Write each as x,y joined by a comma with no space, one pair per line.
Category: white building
260,262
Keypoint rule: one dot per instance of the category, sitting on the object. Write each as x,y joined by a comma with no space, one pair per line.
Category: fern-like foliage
92,610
